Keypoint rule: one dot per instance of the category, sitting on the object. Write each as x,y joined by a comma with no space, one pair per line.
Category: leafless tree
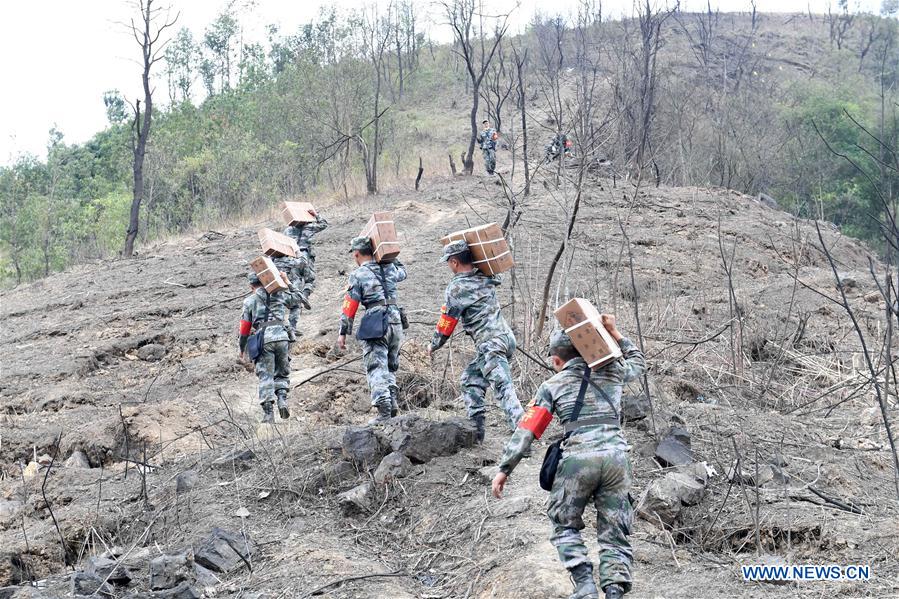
147,32
521,61
377,30
468,22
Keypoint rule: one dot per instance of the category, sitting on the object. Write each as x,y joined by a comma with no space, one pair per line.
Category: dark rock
168,571
394,465
77,460
223,551
186,481
362,446
634,407
109,570
766,200
510,507
205,577
698,470
778,460
356,500
422,440
674,448
151,352
237,457
88,584
184,590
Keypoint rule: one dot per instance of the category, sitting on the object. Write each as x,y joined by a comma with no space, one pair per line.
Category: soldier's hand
608,321
430,351
341,342
499,482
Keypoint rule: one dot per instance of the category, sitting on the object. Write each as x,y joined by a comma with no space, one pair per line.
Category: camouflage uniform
381,357
471,299
559,144
487,143
301,279
303,234
594,465
273,364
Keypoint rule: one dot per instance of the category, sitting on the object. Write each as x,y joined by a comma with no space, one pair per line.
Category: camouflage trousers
273,370
491,368
603,477
489,159
381,358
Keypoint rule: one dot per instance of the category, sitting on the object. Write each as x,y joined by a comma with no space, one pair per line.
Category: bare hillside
134,364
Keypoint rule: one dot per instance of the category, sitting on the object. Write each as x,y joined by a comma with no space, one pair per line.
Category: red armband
245,326
536,419
350,306
447,324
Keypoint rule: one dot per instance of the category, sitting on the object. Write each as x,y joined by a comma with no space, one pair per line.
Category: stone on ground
223,551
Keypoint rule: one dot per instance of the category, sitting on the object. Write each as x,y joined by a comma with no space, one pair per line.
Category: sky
58,57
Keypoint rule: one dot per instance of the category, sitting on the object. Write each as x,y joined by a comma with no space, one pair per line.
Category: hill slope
134,364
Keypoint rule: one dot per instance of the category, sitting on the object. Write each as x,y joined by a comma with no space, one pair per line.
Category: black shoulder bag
374,322
257,340
554,452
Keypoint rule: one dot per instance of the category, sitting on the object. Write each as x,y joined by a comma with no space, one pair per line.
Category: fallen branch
320,590
212,305
327,370
421,171
848,507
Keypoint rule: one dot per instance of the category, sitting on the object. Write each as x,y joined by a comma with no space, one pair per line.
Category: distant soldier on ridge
487,142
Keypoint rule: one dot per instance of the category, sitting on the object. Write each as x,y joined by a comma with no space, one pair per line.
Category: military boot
394,404
383,416
614,591
479,426
584,586
282,404
268,414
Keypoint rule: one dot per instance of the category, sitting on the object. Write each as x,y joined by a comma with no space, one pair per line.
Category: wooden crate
268,274
277,244
489,249
297,213
582,321
382,231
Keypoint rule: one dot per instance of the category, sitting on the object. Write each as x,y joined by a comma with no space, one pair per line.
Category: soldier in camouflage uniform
594,465
471,298
302,234
298,276
273,364
374,286
487,142
559,144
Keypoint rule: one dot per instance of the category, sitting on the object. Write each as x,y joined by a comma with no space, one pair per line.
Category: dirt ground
134,363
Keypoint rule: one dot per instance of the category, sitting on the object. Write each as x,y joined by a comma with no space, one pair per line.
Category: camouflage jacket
303,233
254,313
470,298
557,396
365,288
298,270
487,139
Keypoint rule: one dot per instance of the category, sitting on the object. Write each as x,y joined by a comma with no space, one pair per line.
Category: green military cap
253,278
362,244
559,339
453,248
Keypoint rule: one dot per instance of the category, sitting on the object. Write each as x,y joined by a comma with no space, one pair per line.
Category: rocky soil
131,451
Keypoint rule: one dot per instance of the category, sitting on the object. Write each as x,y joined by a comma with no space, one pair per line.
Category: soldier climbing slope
374,285
559,144
303,234
594,465
300,277
487,142
263,317
471,298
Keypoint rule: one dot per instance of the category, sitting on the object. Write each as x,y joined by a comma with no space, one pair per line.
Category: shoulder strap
604,396
268,301
383,281
580,394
